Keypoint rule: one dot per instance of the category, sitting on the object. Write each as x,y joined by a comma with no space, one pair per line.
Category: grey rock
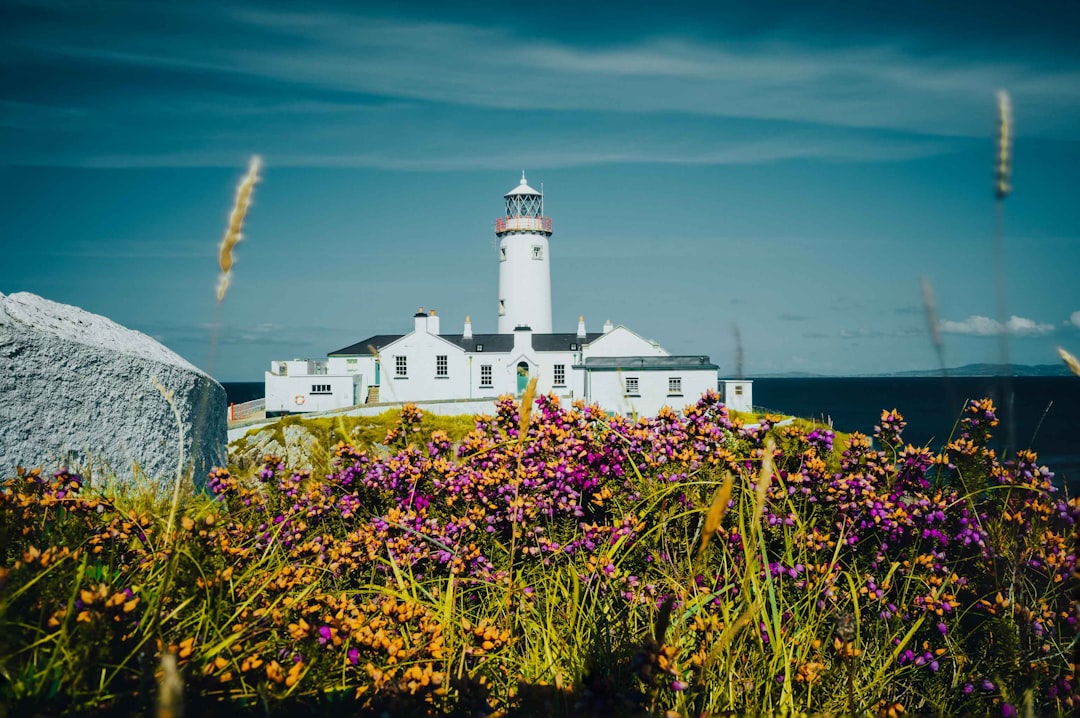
294,443
76,389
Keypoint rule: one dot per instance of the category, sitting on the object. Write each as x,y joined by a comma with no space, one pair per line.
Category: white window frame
401,366
486,381
442,366
560,375
633,386
674,386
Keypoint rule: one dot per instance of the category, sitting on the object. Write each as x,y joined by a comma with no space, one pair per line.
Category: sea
1038,413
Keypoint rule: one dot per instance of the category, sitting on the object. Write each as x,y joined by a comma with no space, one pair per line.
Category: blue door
522,377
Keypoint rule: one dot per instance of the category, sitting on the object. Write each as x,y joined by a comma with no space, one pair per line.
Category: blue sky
791,171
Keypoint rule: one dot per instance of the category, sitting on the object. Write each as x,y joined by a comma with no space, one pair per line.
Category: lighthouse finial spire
523,177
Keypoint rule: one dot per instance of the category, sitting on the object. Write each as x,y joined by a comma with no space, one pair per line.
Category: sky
771,171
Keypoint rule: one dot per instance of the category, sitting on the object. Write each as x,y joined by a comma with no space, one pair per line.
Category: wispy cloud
779,78
981,326
861,333
134,249
344,88
1074,319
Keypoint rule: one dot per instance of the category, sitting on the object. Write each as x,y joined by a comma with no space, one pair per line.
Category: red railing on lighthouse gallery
539,224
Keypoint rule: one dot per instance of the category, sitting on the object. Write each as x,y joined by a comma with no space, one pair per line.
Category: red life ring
299,399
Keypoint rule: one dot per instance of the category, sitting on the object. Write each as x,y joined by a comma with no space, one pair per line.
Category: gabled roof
490,342
561,342
363,347
649,363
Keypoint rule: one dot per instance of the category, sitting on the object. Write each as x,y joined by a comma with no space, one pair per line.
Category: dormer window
479,347
573,347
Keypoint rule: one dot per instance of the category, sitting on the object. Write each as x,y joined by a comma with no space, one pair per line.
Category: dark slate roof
652,363
491,342
561,342
363,347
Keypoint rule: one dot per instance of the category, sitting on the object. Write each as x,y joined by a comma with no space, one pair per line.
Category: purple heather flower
1008,711
677,685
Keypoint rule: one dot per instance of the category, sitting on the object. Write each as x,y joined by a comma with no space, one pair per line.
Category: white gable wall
621,342
421,379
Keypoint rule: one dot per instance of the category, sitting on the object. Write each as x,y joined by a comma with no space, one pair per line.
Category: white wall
420,381
573,385
608,388
525,282
737,394
621,342
295,392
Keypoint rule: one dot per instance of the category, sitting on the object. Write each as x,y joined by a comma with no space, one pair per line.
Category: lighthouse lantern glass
527,205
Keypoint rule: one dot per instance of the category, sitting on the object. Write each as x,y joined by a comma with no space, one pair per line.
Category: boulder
78,390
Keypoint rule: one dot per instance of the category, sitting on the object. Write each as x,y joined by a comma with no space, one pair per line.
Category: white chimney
420,320
581,326
608,326
433,322
522,340
467,334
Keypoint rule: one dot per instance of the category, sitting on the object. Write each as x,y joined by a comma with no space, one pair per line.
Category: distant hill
992,370
791,375
976,370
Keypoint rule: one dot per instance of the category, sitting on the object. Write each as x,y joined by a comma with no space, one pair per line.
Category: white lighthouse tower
524,262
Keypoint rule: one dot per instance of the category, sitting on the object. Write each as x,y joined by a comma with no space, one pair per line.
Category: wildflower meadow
556,560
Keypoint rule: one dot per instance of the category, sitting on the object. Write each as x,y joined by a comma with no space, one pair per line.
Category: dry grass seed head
236,223
1003,170
1070,361
526,406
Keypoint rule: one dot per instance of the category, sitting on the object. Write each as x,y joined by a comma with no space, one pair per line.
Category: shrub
560,559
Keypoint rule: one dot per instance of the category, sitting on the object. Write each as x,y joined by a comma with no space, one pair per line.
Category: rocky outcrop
77,389
294,443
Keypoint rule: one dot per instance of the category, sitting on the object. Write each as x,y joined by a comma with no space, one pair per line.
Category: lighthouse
524,261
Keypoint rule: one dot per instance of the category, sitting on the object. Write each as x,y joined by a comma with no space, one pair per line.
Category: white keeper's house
616,368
